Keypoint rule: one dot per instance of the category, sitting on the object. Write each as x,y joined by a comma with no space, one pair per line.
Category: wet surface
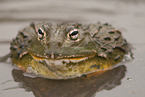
126,15
79,87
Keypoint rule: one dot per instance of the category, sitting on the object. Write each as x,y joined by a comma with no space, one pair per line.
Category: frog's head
70,50
63,41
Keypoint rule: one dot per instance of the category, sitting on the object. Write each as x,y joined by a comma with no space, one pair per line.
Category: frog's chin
65,61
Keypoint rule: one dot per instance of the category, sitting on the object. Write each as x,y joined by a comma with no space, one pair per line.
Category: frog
67,50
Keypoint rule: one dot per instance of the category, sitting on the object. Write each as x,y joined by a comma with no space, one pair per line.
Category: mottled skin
65,51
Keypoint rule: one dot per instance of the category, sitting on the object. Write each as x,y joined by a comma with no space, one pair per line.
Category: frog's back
19,45
108,39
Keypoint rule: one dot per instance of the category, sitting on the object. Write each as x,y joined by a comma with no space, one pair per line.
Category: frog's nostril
59,43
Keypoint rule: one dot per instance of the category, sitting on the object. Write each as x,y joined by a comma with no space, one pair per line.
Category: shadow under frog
78,87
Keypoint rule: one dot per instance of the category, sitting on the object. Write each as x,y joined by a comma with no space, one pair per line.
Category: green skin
66,51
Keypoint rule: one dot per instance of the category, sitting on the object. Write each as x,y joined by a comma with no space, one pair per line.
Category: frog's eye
41,33
73,34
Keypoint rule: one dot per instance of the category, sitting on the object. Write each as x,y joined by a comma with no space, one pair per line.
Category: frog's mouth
65,59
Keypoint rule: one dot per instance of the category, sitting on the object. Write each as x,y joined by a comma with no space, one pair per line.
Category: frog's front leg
4,58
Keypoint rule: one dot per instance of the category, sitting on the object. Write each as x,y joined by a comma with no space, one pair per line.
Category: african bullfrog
67,50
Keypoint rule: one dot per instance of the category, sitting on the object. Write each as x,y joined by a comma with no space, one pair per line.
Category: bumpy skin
65,51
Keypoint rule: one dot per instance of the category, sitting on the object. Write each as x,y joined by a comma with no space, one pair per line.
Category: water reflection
79,87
